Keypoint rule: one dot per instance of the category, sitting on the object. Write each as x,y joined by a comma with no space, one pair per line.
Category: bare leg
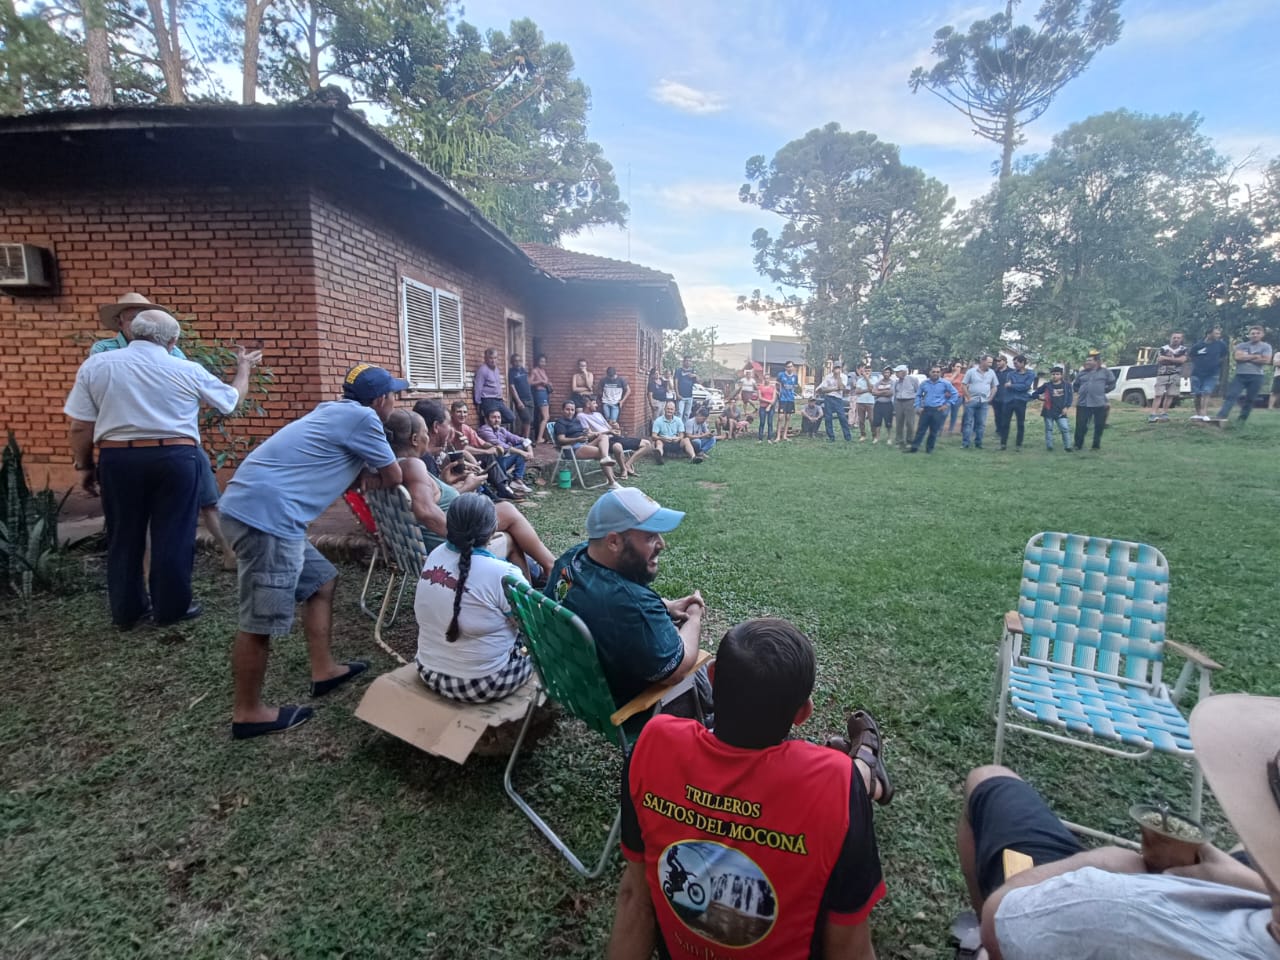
317,624
213,524
513,523
249,655
687,447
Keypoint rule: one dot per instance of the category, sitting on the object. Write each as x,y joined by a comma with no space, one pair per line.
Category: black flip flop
291,715
867,744
354,668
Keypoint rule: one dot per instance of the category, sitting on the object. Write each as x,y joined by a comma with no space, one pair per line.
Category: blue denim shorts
275,575
1203,386
208,495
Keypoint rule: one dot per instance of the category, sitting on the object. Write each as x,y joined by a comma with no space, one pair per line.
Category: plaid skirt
495,686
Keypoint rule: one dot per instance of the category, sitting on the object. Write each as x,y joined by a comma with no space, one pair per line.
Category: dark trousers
1006,413
1244,390
1083,416
833,406
156,488
931,420
809,428
495,403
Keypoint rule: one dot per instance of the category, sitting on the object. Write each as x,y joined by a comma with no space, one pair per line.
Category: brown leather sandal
867,745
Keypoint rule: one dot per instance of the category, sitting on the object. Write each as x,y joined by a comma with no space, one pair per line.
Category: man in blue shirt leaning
283,485
933,401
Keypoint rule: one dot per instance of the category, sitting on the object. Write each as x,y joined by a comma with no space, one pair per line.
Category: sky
685,91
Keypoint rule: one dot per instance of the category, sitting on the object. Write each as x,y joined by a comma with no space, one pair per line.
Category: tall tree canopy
855,214
1003,75
1103,224
499,114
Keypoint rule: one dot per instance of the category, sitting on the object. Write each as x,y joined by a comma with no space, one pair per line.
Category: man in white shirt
832,390
1041,894
978,387
140,405
905,388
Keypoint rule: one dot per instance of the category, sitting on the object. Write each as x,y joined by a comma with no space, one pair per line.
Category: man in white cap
140,407
285,483
1103,903
905,388
641,639
119,316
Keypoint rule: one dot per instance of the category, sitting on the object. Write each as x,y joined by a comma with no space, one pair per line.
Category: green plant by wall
28,526
217,430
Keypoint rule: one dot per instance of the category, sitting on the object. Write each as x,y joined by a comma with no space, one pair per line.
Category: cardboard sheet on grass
399,703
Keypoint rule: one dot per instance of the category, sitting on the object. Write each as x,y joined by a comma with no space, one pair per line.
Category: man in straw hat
1041,895
119,316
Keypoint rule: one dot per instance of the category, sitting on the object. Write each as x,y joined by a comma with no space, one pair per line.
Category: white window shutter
449,327
418,324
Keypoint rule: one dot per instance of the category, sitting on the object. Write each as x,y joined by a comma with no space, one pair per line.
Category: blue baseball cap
628,508
366,383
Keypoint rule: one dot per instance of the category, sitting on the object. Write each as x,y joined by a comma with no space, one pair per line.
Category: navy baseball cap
366,383
628,508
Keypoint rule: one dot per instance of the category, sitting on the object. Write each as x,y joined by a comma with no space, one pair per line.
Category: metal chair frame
567,453
404,550
593,704
352,498
1114,633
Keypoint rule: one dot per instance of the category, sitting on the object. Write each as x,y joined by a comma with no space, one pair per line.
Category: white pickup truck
1136,384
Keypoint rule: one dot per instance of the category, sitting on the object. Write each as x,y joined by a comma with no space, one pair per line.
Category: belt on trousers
149,442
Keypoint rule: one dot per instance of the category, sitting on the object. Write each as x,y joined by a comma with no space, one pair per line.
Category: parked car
708,397
1136,384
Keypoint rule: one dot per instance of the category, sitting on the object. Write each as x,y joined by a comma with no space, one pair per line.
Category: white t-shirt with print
486,632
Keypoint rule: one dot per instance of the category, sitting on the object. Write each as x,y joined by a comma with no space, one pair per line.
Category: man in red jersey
743,843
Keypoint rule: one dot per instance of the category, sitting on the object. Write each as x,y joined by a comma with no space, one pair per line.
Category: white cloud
686,98
716,305
1157,25
689,196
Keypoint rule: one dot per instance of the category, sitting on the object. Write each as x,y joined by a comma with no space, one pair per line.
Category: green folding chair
400,538
564,656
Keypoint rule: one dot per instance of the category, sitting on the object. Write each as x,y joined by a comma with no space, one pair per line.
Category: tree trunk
14,100
253,12
313,48
165,29
97,48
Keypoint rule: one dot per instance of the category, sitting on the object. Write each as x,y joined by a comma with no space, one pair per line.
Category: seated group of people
738,836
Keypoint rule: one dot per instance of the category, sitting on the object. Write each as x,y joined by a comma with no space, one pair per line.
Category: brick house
300,227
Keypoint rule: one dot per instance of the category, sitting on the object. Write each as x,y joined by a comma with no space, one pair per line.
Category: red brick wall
312,274
607,332
359,263
237,262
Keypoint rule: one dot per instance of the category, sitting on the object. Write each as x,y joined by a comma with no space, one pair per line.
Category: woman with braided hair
468,648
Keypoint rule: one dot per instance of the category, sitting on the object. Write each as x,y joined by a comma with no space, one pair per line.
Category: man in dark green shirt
641,639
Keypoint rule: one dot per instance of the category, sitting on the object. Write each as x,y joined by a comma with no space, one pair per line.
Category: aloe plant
28,525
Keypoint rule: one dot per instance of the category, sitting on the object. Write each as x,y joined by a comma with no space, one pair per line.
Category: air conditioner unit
23,265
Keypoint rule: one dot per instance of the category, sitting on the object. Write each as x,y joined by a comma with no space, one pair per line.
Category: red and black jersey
752,850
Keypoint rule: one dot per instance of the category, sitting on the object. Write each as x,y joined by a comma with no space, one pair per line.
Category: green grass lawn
132,826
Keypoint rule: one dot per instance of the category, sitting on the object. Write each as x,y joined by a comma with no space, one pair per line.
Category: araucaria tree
1003,76
854,214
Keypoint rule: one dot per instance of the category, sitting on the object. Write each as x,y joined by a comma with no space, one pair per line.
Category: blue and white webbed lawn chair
1083,654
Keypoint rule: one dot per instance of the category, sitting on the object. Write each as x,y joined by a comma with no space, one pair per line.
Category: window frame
445,356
